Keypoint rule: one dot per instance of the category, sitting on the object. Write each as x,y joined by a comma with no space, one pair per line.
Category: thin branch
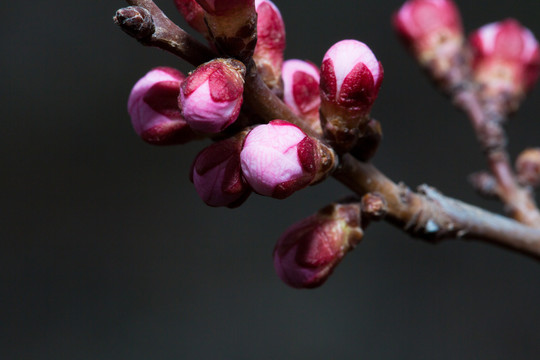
427,215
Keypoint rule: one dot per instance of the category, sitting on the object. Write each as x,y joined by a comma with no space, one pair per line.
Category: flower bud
301,91
506,59
432,30
351,77
232,25
528,167
217,175
308,251
211,96
270,42
154,110
279,158
193,13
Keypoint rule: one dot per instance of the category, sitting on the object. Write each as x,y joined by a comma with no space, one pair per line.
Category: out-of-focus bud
301,91
194,15
506,60
217,175
433,32
485,184
270,43
279,158
528,167
153,107
351,77
232,25
211,96
308,251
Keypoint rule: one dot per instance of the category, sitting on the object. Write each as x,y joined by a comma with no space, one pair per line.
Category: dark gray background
106,252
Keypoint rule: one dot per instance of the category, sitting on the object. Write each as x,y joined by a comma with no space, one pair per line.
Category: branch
427,215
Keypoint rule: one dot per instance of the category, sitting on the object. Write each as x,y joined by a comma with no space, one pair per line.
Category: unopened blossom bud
528,167
308,251
193,13
351,77
217,175
433,32
154,111
278,159
232,25
211,96
506,59
270,42
301,91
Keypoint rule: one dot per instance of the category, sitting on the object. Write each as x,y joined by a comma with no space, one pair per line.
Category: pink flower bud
270,42
430,28
308,251
193,13
505,57
211,96
351,78
154,111
301,87
217,176
279,158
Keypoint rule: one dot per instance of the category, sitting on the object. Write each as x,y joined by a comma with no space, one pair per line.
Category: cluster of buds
506,62
276,158
503,58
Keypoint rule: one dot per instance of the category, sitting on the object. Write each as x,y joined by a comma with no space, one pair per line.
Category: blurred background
106,252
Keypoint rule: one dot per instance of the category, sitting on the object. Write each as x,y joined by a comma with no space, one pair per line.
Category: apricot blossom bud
431,29
278,159
154,110
217,175
211,96
301,90
193,13
308,252
528,167
351,77
506,58
270,46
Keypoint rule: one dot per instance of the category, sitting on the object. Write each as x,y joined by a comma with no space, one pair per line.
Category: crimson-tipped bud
301,91
351,77
232,25
432,30
270,42
308,251
279,158
154,111
217,175
506,59
211,96
528,167
193,13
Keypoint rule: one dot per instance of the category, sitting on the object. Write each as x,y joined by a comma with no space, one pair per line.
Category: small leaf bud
528,167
